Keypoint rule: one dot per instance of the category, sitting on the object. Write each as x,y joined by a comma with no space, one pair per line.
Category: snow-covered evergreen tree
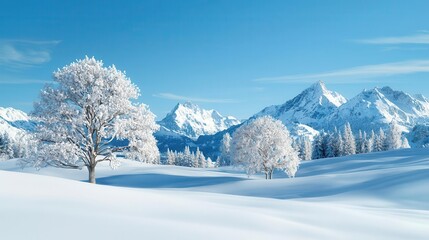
394,137
360,143
171,157
225,150
370,141
405,143
319,146
217,163
349,141
187,157
86,108
363,145
6,150
210,163
196,161
380,139
263,145
305,151
338,144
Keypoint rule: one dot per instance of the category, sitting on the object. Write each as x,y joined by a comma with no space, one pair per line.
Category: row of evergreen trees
342,143
188,159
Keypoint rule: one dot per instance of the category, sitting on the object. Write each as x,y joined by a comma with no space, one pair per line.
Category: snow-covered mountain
14,122
190,120
377,107
311,107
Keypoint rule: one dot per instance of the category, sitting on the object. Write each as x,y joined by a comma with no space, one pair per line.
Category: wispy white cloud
172,96
422,38
356,73
23,81
25,53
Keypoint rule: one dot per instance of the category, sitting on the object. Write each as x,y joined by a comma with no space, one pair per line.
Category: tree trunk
91,171
266,175
271,174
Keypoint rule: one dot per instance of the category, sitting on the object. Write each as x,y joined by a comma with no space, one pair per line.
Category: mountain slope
375,108
14,122
190,120
310,107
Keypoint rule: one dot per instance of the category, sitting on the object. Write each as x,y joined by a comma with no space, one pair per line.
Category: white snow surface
369,196
190,120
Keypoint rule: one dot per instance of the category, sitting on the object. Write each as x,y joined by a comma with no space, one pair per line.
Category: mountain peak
309,107
189,104
192,121
319,86
323,95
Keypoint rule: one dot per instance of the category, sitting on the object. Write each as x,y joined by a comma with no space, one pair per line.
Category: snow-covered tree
360,143
305,150
225,150
320,145
86,108
405,143
202,161
218,161
369,142
189,157
6,150
394,137
379,143
210,163
196,159
171,157
263,145
349,140
338,144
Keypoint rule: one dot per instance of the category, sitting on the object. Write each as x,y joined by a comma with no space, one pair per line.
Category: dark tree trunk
91,171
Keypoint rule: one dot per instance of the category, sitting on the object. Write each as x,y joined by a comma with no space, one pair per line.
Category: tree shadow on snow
151,180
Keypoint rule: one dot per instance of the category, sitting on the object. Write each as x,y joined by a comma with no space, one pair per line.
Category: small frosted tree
379,143
370,141
202,162
405,143
225,150
359,143
263,145
6,150
187,157
305,150
349,140
171,157
394,137
196,159
87,108
338,144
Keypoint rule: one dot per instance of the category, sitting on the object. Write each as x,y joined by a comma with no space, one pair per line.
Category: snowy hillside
311,107
370,196
190,120
14,122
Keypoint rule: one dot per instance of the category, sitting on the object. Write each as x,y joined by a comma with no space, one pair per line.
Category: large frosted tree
80,115
263,145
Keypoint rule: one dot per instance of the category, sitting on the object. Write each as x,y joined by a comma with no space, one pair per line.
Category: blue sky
233,56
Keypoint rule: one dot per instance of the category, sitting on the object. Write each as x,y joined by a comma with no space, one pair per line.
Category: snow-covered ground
369,196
